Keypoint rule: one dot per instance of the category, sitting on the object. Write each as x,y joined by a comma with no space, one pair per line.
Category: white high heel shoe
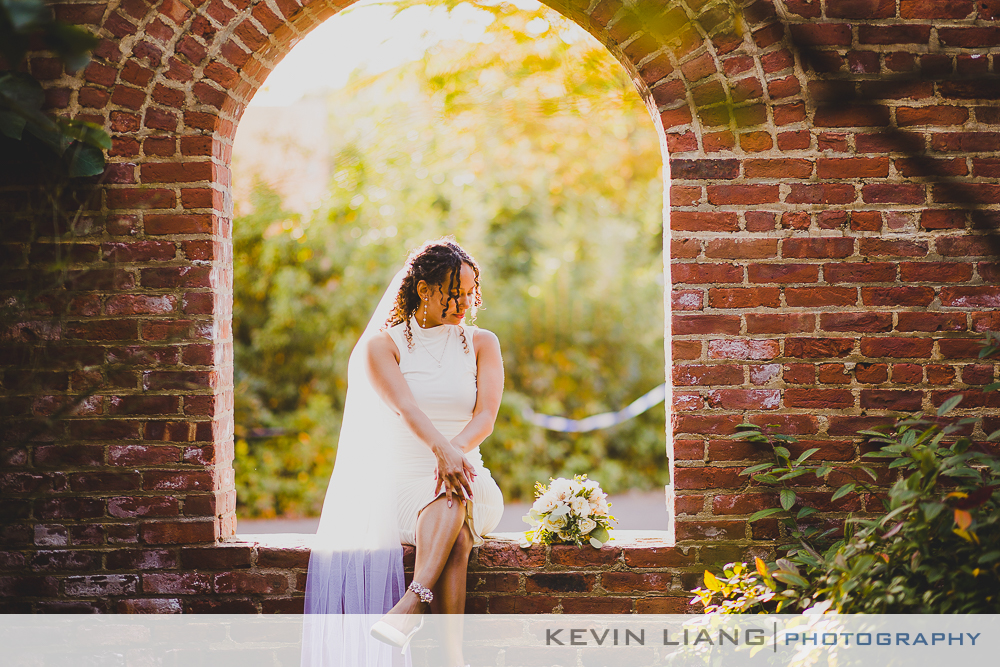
387,634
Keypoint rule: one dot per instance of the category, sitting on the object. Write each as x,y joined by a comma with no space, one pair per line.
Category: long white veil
356,564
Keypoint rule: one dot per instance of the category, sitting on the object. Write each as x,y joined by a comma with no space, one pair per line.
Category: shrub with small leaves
936,549
741,590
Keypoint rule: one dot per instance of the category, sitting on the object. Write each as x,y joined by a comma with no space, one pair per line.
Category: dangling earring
425,314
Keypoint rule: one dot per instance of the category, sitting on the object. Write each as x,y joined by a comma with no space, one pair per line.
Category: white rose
561,489
545,504
602,508
554,524
580,506
587,525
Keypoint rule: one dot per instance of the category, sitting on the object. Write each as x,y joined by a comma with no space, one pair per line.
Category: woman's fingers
465,484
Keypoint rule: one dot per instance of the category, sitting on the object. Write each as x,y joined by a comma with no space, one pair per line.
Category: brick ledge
637,572
294,541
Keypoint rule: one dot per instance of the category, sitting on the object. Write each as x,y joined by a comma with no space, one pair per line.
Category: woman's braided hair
437,263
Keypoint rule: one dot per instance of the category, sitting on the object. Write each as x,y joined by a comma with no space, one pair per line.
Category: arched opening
535,173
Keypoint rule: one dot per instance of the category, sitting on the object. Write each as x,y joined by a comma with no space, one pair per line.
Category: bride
424,389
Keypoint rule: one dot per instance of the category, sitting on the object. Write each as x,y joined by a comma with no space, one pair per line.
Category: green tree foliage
535,151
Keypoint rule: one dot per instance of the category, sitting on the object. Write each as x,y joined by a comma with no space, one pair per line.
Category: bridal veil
356,564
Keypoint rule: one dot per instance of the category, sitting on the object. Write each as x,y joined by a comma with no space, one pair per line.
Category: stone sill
637,572
501,552
303,541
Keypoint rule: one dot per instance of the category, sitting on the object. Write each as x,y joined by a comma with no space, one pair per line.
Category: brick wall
834,171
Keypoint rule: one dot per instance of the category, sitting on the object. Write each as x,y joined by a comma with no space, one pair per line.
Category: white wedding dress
382,478
442,376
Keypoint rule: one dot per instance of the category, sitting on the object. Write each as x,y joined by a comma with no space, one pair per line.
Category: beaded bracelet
422,592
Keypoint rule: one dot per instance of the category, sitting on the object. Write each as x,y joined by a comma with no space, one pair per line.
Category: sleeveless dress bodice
440,369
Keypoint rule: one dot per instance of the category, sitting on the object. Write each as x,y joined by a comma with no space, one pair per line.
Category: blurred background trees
532,147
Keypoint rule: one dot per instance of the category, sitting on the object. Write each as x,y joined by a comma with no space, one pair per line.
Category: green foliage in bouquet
936,548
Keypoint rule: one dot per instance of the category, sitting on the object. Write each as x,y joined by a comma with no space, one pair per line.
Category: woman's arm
388,381
489,391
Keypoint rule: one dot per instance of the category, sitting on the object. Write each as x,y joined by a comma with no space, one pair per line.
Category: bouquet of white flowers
569,510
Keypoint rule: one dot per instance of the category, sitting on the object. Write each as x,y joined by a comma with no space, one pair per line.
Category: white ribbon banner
603,420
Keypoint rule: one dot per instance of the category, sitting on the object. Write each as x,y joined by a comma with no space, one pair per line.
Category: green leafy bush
936,548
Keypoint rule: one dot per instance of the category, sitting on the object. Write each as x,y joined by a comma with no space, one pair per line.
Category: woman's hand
453,473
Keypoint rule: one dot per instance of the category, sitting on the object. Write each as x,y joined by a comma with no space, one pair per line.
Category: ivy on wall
28,134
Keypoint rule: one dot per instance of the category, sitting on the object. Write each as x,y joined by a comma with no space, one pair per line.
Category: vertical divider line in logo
774,637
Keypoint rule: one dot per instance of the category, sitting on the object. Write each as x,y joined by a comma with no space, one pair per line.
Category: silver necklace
443,351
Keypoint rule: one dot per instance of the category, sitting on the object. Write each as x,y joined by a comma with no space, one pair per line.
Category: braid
437,263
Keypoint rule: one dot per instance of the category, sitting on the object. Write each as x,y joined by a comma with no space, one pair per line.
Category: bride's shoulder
395,327
482,337
383,342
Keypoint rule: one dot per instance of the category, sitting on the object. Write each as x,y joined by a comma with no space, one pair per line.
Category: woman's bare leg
449,594
437,528
449,597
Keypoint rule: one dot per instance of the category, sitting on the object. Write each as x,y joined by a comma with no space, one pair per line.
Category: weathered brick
698,274
101,585
907,374
716,374
743,349
805,297
738,399
742,195
856,167
628,582
898,348
818,398
186,532
783,273
879,399
741,248
705,324
897,296
965,246
817,248
698,221
867,322
832,374
744,297
707,424
960,348
986,296
894,34
818,348
936,9
779,323
859,272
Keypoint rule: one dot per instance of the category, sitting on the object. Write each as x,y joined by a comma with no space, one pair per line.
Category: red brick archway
833,168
